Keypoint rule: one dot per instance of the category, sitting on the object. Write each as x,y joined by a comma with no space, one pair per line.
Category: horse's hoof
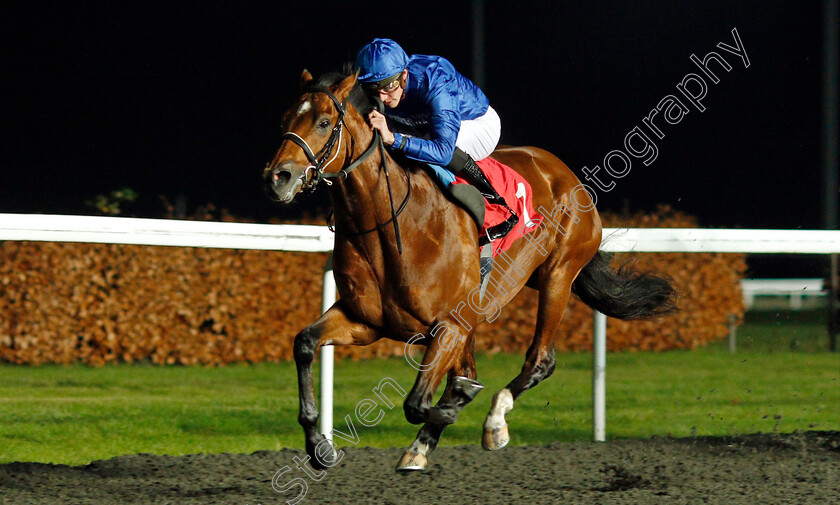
493,440
411,462
466,388
314,460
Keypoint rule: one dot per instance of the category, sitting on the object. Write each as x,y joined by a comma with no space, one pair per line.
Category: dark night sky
186,98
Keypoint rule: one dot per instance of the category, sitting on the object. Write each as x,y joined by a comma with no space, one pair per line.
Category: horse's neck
362,202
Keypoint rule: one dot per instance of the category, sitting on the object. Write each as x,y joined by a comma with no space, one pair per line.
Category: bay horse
423,291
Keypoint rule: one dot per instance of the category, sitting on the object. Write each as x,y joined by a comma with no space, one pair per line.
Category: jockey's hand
378,122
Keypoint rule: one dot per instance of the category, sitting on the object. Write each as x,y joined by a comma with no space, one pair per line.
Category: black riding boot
463,165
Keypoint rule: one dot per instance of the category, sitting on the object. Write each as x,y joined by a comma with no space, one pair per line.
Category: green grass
779,331
781,379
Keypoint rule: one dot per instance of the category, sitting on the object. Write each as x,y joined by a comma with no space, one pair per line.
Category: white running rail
179,233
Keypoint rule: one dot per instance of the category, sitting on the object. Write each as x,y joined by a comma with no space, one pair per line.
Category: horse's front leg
333,328
448,351
460,390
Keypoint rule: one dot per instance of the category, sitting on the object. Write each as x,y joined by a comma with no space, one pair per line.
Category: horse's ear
343,88
305,78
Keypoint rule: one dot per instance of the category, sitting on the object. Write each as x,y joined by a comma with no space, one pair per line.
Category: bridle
314,173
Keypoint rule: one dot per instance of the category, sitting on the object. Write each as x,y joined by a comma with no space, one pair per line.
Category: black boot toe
500,230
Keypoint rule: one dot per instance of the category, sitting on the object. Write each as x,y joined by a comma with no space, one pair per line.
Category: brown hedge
95,303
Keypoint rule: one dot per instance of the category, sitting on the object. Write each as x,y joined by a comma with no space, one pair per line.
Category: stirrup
486,267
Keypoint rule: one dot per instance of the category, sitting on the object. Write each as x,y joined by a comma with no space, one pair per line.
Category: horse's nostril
281,178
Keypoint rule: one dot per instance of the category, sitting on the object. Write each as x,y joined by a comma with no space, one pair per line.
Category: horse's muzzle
282,182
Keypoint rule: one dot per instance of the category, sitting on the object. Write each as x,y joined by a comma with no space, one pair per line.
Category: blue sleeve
445,123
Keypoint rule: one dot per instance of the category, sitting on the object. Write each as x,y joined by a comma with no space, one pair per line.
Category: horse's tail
624,293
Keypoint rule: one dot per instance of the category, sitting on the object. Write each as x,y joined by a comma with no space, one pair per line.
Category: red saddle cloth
517,193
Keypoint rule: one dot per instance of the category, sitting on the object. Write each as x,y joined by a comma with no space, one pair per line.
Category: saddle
515,190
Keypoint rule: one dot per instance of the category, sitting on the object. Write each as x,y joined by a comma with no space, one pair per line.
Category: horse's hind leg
461,388
539,361
333,328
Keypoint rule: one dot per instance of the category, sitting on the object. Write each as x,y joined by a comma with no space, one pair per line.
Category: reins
314,173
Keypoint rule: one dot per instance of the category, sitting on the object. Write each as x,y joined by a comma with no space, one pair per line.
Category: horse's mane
358,98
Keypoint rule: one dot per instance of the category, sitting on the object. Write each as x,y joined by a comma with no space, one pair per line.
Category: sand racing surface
794,468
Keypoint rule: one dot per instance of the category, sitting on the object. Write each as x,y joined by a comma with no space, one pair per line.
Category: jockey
438,117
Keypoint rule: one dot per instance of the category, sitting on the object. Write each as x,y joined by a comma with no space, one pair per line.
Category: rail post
599,366
327,355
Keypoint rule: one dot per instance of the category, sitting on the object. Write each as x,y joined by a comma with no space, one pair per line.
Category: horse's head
318,137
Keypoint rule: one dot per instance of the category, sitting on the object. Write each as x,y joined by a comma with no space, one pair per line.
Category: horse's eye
323,124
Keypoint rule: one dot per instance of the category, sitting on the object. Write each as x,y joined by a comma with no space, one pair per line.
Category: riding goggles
387,85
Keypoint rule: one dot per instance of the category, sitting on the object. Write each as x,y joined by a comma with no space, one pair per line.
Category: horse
410,274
